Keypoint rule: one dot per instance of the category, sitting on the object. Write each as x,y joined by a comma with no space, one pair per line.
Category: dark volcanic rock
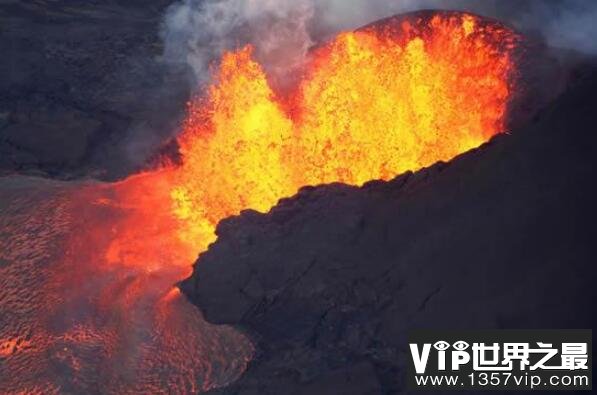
331,280
83,90
57,137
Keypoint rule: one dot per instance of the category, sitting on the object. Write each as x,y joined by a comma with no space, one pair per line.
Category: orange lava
87,269
88,303
371,105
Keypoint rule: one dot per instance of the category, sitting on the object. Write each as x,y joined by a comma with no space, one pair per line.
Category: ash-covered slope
330,281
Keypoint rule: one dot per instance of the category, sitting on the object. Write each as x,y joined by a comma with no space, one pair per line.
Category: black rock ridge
330,281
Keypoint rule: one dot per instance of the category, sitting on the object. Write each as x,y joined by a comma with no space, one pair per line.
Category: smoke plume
196,32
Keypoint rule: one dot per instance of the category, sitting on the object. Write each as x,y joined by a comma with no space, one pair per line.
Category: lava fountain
394,96
87,296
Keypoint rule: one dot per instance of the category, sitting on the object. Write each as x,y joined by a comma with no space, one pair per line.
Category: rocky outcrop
80,83
330,282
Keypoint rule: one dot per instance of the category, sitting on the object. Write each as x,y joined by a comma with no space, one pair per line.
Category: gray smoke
196,32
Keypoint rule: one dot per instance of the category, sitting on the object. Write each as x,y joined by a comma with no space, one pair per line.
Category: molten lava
372,104
87,278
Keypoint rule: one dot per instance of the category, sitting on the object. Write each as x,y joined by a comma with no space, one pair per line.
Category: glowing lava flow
87,297
87,269
392,97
